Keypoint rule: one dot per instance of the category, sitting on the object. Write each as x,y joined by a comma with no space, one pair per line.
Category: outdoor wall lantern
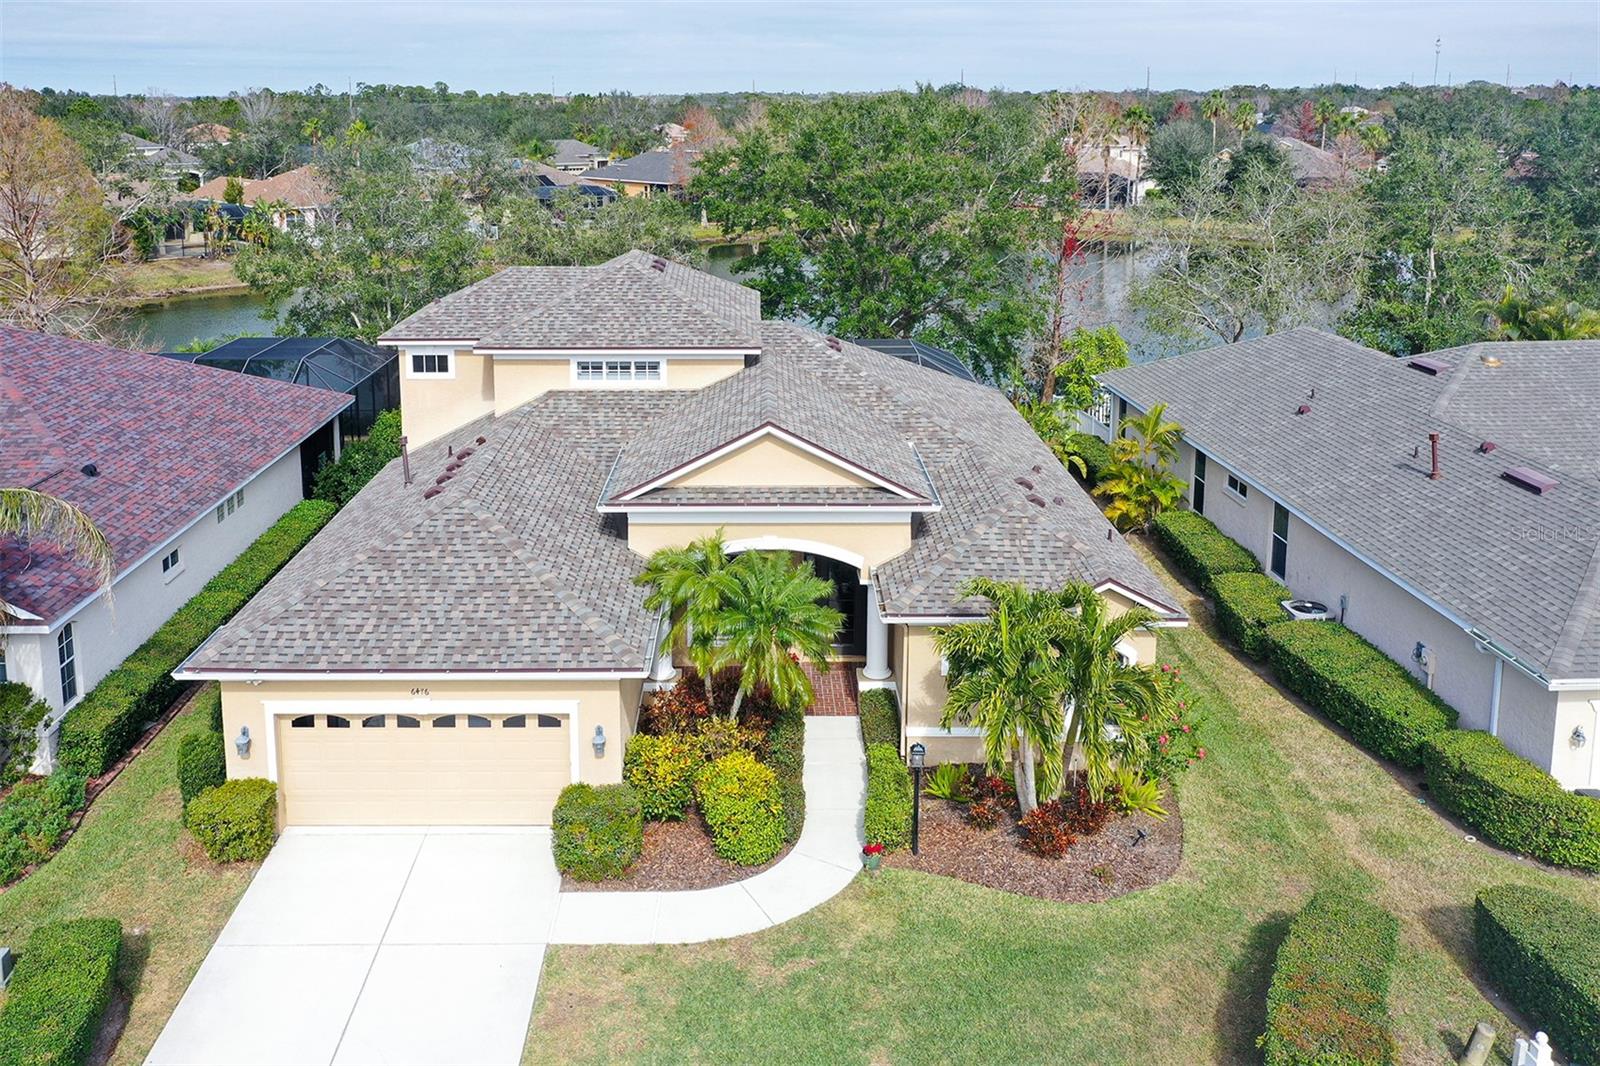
241,743
1579,737
919,758
599,742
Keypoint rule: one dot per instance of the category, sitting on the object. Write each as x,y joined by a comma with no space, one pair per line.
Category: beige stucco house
1478,571
466,637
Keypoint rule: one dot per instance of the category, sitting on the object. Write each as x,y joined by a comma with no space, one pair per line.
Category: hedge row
1509,801
237,820
786,754
1200,549
105,725
880,718
58,992
202,763
1359,687
1095,453
1246,605
1328,1002
598,830
34,818
1542,951
888,817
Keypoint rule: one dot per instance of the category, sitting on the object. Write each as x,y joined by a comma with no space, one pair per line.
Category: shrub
1246,605
948,781
1045,831
1357,686
359,462
1328,1000
786,754
1510,801
743,807
202,763
719,736
1082,813
880,718
598,830
1200,549
105,725
21,711
888,819
1095,453
235,821
34,818
58,992
1542,951
985,812
661,770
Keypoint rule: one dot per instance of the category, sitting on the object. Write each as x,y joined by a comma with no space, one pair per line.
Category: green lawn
131,860
165,277
914,968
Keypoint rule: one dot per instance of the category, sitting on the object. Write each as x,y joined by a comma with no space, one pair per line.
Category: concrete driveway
373,946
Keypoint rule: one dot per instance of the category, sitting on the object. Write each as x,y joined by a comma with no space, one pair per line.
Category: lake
166,325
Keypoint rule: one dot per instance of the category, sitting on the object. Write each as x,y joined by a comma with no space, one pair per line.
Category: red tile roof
301,187
167,439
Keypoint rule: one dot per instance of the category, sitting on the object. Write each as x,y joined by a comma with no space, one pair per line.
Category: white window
222,512
1238,488
617,371
238,497
230,505
171,565
430,364
67,656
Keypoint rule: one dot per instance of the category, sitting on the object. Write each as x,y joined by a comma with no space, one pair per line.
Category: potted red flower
872,857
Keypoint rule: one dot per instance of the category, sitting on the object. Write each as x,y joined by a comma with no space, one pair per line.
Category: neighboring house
173,162
1314,453
458,647
1127,166
1312,166
308,197
366,372
575,157
664,170
593,195
207,134
181,467
671,133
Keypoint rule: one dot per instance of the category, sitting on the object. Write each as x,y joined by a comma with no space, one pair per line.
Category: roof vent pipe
658,264
1433,446
1487,446
833,342
1303,409
405,462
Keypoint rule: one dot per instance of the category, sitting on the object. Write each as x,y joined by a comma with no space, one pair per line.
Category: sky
214,46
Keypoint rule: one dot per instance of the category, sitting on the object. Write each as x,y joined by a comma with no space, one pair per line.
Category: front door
849,597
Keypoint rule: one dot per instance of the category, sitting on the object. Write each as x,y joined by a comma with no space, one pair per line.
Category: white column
663,670
877,668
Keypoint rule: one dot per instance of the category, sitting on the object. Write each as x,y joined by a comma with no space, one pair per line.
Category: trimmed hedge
1509,801
1095,453
1357,686
1542,951
880,718
202,763
236,821
786,754
598,831
58,992
34,818
1200,549
105,725
743,807
661,770
21,711
888,818
1328,1002
1246,605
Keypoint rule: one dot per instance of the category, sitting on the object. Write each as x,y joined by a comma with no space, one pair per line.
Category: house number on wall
420,692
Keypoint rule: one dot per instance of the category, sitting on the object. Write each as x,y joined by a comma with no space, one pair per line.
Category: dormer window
430,364
616,371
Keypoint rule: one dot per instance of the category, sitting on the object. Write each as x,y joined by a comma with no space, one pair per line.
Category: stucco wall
874,542
517,381
432,406
770,461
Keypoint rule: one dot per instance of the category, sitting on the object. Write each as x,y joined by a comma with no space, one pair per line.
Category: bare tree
162,114
259,107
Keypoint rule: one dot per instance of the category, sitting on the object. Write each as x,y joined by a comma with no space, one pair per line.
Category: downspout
1494,698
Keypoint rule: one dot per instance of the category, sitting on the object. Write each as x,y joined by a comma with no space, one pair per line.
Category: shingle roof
167,441
1520,567
567,152
660,166
511,567
300,187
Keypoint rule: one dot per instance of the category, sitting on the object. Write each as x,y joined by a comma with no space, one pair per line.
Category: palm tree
690,584
1007,677
1518,318
25,513
1107,698
771,616
311,130
1325,112
1375,138
1215,107
1140,482
1244,118
1137,122
1156,437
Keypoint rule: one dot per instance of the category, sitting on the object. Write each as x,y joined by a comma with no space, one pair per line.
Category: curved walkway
824,860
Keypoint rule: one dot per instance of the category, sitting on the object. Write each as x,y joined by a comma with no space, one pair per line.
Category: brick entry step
836,689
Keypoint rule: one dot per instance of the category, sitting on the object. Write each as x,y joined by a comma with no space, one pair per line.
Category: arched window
405,721
477,721
373,721
446,722
335,722
549,721
305,721
516,721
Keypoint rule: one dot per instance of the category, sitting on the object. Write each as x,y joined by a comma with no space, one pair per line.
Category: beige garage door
398,769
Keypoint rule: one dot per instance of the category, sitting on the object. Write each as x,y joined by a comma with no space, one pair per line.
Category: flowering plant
1163,748
872,849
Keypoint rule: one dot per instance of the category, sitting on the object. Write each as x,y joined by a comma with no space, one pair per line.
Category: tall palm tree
41,517
1518,318
1007,677
1137,122
1155,435
1107,699
1140,483
691,584
772,615
1374,137
1215,107
1325,112
1244,118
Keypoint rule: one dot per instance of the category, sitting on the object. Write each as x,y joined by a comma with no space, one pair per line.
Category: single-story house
181,467
466,637
308,197
174,163
207,134
575,157
1442,506
368,373
660,170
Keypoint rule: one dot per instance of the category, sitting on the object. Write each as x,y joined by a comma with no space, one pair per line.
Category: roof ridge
1580,618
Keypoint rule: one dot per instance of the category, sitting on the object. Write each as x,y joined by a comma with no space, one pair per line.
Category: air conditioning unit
1307,610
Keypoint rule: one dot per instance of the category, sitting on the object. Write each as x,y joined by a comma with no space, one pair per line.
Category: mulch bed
1099,867
676,856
